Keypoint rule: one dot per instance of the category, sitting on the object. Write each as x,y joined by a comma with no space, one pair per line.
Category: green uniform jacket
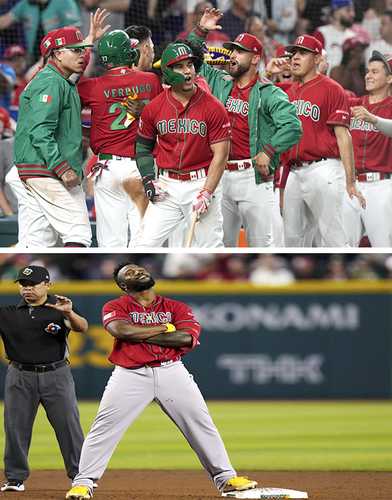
48,136
273,123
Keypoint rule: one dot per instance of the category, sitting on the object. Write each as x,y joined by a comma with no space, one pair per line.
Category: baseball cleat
13,486
239,483
79,493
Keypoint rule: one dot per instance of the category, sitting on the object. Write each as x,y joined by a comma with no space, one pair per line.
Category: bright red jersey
321,104
237,107
185,133
112,129
372,149
162,310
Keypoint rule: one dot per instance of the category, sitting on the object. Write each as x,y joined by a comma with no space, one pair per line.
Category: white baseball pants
162,218
64,209
313,204
118,219
375,220
247,204
34,229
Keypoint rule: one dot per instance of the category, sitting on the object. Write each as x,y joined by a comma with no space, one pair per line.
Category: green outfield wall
310,340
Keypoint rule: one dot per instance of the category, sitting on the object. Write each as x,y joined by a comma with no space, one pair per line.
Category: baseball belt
192,175
373,176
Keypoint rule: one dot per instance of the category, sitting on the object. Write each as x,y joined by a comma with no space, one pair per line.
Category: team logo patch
27,271
109,315
45,98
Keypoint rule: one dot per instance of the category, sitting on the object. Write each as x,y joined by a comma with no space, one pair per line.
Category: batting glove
202,201
152,189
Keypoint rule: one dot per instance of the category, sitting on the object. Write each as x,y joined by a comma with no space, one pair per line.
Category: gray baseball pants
127,394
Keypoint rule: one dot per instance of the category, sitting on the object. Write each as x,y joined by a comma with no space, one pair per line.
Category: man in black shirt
34,333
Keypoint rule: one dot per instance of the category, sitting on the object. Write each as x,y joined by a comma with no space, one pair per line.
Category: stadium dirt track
191,485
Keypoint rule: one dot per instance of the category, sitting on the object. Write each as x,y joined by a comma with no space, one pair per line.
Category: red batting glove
202,201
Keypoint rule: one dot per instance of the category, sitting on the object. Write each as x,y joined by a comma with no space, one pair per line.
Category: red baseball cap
282,52
245,41
306,42
13,51
384,58
69,37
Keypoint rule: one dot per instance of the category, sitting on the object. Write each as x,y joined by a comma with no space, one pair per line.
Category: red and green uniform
111,131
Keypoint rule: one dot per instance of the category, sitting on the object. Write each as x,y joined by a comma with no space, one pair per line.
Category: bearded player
193,132
373,153
113,135
151,334
264,125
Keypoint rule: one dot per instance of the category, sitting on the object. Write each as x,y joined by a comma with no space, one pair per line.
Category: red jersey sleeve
113,311
339,111
146,122
219,128
184,320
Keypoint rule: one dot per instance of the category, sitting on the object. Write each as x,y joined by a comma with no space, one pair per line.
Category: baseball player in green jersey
48,141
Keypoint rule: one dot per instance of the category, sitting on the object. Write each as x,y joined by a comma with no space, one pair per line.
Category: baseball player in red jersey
372,154
151,334
113,135
313,197
191,153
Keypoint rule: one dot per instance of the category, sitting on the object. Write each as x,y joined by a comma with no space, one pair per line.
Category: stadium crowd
349,30
258,269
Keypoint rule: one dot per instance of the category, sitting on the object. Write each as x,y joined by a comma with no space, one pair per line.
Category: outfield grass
258,436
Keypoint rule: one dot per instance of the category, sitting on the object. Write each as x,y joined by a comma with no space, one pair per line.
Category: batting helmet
174,53
114,49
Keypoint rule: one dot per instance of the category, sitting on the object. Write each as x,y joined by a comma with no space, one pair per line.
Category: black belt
299,164
40,368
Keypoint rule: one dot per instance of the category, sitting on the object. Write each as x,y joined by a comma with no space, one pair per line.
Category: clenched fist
70,179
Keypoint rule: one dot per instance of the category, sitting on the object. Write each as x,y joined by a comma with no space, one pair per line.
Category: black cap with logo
33,274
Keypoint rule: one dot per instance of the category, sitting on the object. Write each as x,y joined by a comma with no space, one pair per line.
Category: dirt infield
191,485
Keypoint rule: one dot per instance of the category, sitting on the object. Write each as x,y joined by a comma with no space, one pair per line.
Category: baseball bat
191,233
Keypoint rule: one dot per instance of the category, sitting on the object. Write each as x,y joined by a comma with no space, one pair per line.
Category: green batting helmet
174,53
114,49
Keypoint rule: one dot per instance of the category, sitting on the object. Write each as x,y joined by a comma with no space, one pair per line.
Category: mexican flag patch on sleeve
45,98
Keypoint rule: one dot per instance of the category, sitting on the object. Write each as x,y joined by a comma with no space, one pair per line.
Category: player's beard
346,23
238,70
140,286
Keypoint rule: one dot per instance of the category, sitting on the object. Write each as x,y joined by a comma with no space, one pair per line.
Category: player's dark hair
117,269
376,59
141,32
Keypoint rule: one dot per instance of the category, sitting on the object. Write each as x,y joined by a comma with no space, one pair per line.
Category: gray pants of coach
24,391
